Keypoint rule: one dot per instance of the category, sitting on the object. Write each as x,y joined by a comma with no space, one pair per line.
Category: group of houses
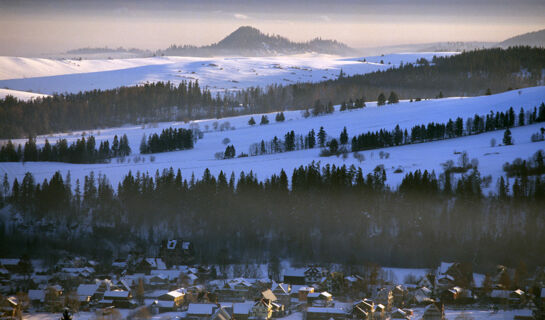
168,283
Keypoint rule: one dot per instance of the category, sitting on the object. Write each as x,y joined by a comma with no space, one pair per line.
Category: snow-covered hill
21,95
409,158
219,74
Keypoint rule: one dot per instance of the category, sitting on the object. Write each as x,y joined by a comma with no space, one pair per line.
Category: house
118,299
500,296
434,312
221,314
385,297
313,274
399,293
9,308
261,310
516,297
303,292
241,310
316,313
399,314
295,276
321,299
171,300
421,296
201,311
177,252
282,292
363,309
87,292
451,295
36,298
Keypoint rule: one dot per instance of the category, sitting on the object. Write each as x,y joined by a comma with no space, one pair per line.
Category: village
172,286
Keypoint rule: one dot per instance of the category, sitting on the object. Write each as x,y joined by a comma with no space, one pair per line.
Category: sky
31,27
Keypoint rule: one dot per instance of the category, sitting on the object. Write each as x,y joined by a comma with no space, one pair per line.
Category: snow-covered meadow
218,74
422,156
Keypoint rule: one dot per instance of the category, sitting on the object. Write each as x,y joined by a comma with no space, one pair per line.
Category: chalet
36,298
303,292
399,293
316,313
516,297
171,300
118,299
399,314
221,314
87,292
363,309
451,295
434,312
9,308
12,265
385,297
420,296
500,296
320,299
313,274
295,276
282,292
261,310
201,311
177,252
241,310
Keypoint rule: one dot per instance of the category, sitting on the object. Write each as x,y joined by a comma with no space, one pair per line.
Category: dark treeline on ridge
469,73
81,151
322,214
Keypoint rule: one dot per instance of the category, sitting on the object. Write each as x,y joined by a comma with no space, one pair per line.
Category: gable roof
201,308
242,307
86,289
268,294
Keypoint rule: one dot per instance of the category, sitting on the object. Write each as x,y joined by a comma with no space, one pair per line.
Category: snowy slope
409,158
219,74
21,95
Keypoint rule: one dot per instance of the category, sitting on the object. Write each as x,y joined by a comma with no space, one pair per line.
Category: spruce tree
264,120
251,121
333,146
321,137
381,100
507,140
344,137
393,98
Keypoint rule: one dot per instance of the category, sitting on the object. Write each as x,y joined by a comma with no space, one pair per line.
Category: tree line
169,139
319,214
80,151
490,70
452,129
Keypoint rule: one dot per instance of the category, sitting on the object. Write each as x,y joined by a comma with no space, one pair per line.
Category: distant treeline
81,151
469,73
452,129
322,214
169,140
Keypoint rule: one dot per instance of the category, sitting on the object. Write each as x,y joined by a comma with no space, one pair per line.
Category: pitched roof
325,310
268,294
242,307
86,289
201,308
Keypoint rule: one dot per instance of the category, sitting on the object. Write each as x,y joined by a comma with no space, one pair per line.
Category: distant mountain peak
249,41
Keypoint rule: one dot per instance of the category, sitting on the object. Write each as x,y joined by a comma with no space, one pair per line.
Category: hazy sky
38,27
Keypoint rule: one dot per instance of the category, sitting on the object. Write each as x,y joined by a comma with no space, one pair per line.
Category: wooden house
261,310
399,314
177,252
320,299
241,310
434,312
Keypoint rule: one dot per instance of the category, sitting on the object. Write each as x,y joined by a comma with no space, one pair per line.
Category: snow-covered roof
177,293
325,310
542,292
167,274
185,245
9,262
156,263
519,292
201,308
326,294
294,272
242,307
36,295
116,294
504,294
313,295
86,289
443,268
282,287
